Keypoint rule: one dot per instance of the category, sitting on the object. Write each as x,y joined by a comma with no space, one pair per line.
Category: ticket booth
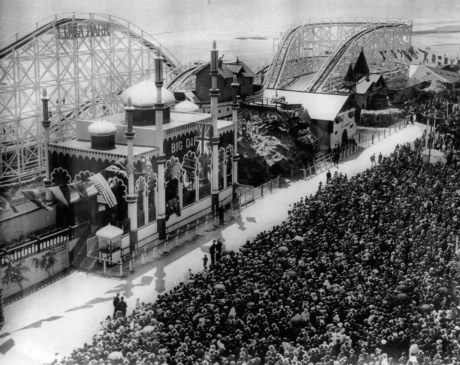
109,239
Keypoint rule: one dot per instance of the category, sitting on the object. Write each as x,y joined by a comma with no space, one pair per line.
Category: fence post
384,133
196,227
271,181
166,243
104,266
186,233
262,190
121,268
154,252
176,240
142,259
131,265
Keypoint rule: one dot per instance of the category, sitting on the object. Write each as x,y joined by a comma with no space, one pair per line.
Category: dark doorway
345,138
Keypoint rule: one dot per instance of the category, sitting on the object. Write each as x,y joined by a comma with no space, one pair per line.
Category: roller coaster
86,60
315,57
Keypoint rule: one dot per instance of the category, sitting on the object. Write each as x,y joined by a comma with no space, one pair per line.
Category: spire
349,80
361,68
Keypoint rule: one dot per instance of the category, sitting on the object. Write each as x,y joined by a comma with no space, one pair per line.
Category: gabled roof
444,75
363,85
319,106
228,69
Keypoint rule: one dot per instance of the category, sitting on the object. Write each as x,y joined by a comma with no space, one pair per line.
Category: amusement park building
334,116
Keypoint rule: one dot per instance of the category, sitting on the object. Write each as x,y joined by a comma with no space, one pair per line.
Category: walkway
53,321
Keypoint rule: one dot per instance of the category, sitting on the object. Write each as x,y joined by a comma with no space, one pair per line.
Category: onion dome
102,127
144,95
186,106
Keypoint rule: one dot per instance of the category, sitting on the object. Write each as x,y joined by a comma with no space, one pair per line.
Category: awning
109,232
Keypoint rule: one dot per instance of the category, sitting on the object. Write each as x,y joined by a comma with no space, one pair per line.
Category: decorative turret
235,87
144,96
214,95
102,135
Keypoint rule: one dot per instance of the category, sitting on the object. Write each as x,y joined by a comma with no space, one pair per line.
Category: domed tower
144,96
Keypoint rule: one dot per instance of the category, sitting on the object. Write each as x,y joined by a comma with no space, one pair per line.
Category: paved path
66,314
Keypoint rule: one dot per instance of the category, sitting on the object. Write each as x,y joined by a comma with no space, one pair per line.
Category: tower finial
214,46
129,103
44,92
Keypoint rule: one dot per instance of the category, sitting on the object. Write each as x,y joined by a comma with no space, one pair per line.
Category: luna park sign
75,30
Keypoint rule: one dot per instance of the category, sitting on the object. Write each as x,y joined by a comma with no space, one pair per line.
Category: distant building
226,70
426,73
369,91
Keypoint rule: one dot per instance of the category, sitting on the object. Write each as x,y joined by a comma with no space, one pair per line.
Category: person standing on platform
116,302
205,261
380,157
122,306
328,176
212,252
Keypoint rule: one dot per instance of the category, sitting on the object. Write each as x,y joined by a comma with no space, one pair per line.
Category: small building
334,116
226,70
369,91
424,73
400,90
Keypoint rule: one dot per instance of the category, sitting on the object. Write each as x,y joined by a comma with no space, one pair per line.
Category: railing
56,240
382,134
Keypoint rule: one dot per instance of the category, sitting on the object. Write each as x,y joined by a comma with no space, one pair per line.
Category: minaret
46,128
214,94
131,198
236,156
161,159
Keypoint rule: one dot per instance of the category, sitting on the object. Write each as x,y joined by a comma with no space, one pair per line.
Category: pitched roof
363,85
228,69
444,75
319,106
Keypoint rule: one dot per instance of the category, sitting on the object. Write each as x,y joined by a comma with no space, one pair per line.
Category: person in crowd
205,261
122,306
116,301
212,253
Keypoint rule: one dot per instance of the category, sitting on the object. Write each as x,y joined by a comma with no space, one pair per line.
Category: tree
45,262
15,274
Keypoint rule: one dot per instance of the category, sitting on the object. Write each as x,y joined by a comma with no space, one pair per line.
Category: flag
58,195
120,168
104,189
34,196
81,190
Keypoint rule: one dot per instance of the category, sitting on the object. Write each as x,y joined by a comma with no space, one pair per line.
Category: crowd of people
363,272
